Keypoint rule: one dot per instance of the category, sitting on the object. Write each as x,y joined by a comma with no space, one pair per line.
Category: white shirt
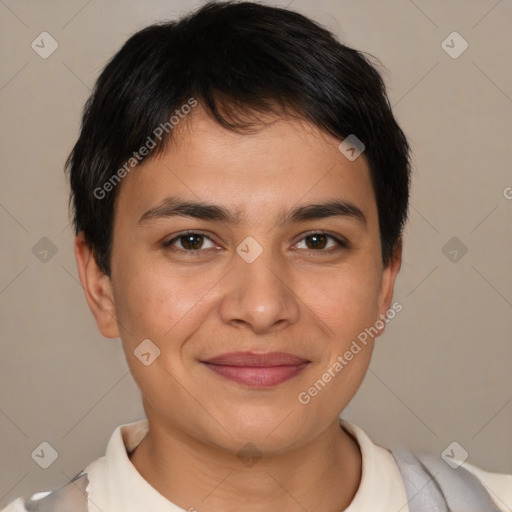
115,485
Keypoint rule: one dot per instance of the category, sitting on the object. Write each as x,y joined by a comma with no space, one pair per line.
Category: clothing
113,484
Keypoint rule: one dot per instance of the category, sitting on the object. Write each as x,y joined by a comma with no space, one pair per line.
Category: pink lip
257,370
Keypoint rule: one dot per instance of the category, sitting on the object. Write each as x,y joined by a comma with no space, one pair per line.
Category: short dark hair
232,58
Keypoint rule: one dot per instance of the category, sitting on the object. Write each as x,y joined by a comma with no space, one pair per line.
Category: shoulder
15,506
430,480
499,485
72,497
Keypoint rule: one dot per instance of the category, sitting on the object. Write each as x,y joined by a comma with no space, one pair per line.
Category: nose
259,296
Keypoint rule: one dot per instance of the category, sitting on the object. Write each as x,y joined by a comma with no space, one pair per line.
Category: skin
295,297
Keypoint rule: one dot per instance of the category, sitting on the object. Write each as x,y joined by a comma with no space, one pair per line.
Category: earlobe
97,288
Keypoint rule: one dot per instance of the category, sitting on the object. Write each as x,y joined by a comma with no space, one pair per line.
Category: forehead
270,136
283,160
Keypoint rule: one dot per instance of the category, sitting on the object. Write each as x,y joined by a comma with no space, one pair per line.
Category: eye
191,241
322,242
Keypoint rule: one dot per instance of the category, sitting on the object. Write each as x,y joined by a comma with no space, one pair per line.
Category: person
239,188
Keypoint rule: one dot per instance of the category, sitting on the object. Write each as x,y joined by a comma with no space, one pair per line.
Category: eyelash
341,244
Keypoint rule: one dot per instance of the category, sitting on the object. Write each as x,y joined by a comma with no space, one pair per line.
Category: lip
257,370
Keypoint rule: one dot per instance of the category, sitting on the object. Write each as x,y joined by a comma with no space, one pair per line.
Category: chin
271,432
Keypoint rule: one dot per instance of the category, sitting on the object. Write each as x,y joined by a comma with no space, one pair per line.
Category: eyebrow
175,207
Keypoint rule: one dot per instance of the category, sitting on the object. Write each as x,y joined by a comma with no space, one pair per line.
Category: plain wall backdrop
441,372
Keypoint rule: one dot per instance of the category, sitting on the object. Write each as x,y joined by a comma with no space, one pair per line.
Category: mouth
257,370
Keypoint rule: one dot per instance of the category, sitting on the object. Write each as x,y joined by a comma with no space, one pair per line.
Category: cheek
346,299
164,308
143,301
154,302
348,304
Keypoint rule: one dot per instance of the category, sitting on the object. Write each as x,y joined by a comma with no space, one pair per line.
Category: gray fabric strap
462,490
423,492
72,497
432,486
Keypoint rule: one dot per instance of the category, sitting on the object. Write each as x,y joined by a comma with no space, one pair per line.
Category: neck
322,475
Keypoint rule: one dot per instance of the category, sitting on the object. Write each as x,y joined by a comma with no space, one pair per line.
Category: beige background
442,370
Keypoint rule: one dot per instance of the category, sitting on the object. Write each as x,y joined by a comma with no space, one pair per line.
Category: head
215,212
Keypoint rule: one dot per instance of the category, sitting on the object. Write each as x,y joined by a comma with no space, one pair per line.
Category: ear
388,279
97,288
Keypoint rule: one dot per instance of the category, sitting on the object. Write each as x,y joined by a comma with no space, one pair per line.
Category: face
257,266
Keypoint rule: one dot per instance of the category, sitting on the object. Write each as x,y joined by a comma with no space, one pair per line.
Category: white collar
115,484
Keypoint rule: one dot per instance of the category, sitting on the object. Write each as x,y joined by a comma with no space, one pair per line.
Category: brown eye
318,241
321,242
190,242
